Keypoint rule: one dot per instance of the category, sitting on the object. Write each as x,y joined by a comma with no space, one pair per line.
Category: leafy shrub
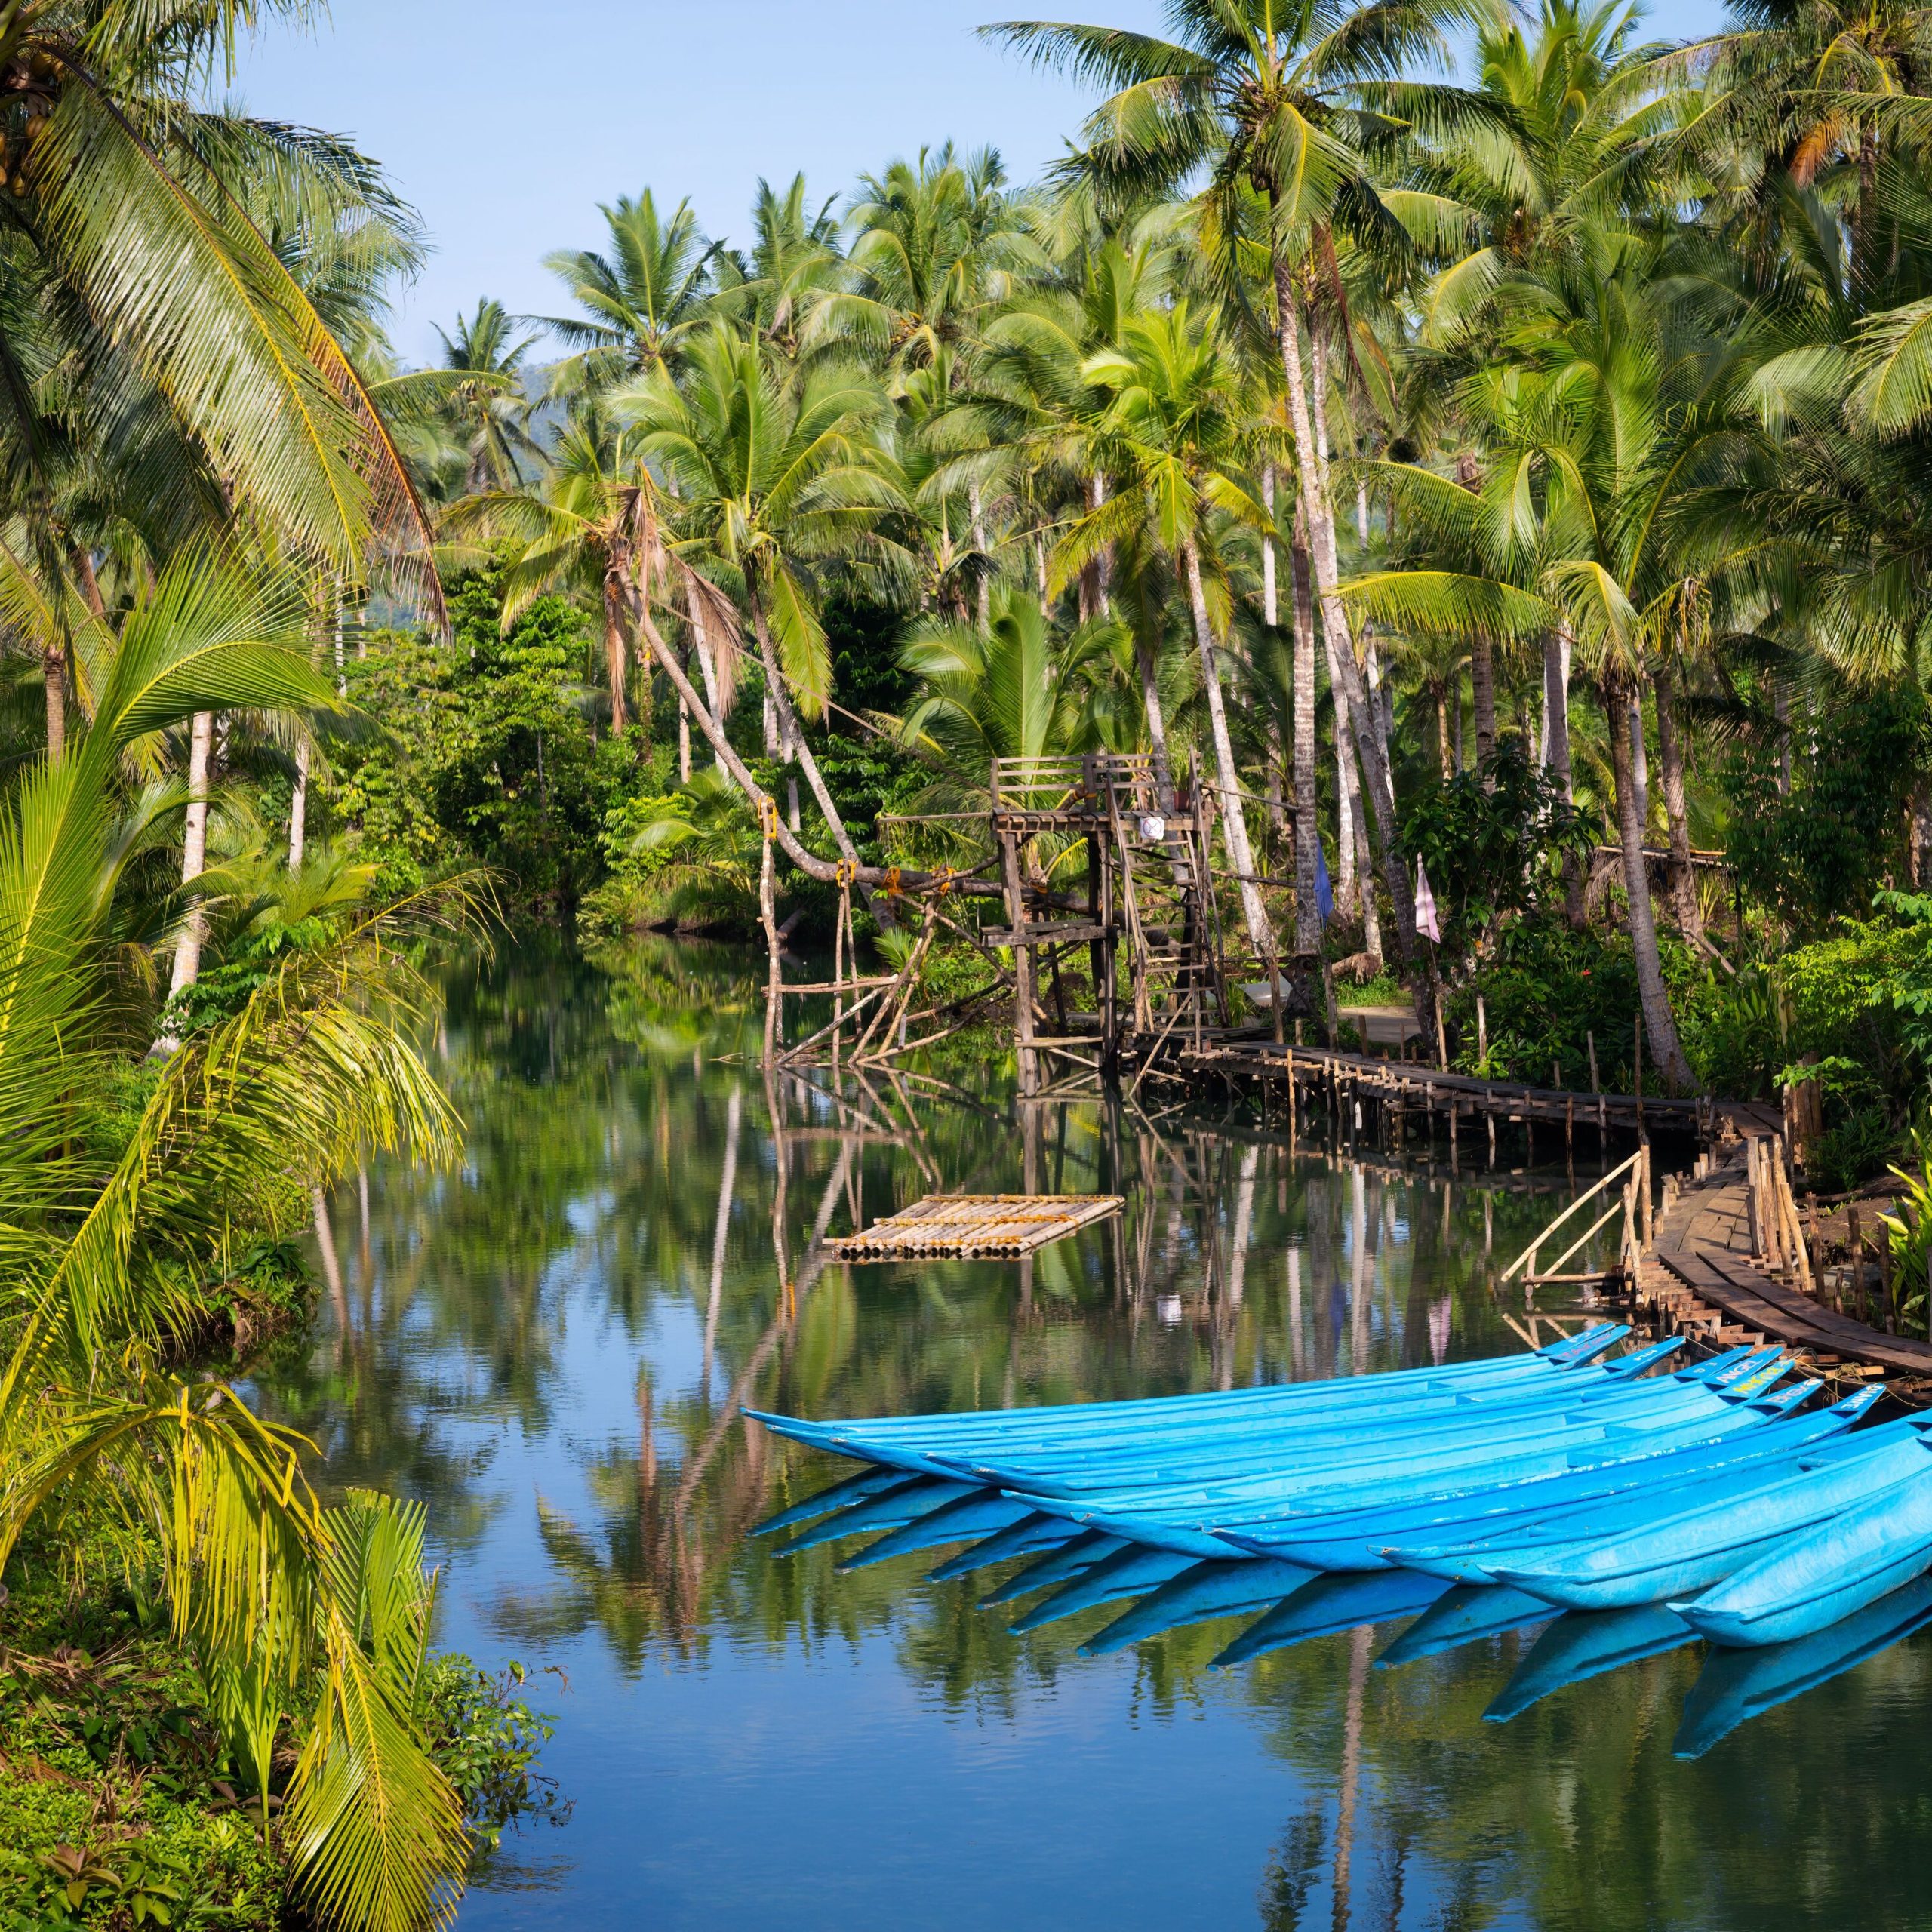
1816,853
486,1740
1858,1149
1493,842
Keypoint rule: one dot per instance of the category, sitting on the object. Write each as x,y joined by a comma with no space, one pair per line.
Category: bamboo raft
999,1227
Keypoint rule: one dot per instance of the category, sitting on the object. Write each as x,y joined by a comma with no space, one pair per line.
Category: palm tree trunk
1670,756
194,861
788,726
1308,829
1233,820
298,808
614,652
1482,692
1157,721
1271,616
1348,797
1095,573
1443,754
1556,646
983,590
1320,511
1660,1025
53,670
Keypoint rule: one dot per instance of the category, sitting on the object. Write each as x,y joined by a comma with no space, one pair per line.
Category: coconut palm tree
639,300
1589,438
1266,98
778,483
491,412
580,532
288,1609
793,261
138,226
936,244
1171,434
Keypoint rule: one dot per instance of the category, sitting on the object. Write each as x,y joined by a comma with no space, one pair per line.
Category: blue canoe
1715,1532
1257,1440
1353,1537
1336,1457
908,1440
1192,1520
1809,1581
1735,1686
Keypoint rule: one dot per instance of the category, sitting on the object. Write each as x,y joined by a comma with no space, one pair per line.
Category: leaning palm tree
1171,432
289,1610
777,484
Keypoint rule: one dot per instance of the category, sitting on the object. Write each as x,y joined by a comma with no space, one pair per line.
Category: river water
549,1346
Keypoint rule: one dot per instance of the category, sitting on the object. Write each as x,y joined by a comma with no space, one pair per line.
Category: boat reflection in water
1735,1686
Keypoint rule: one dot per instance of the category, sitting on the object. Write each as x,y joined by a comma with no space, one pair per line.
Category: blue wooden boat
1255,1445
1735,1686
1199,1595
1713,1533
1808,1582
908,1440
1583,1644
1333,1603
1190,1520
1463,1614
1353,1537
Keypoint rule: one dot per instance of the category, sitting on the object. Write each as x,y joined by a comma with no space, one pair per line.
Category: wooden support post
1023,964
1596,1086
774,1000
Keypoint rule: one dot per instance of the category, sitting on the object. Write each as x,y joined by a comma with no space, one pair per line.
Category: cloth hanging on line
1427,924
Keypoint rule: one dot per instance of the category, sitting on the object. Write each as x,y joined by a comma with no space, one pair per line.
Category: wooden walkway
1700,1278
1337,1078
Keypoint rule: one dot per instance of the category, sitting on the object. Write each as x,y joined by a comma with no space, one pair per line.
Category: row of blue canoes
1644,1503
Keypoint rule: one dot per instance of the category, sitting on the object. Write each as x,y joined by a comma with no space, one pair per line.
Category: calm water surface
549,1346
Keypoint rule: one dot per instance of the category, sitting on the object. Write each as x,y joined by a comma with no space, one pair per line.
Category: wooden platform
1701,1276
999,1227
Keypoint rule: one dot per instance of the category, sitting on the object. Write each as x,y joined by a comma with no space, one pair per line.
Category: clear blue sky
507,124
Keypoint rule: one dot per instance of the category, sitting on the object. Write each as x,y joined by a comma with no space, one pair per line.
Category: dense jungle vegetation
1480,442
